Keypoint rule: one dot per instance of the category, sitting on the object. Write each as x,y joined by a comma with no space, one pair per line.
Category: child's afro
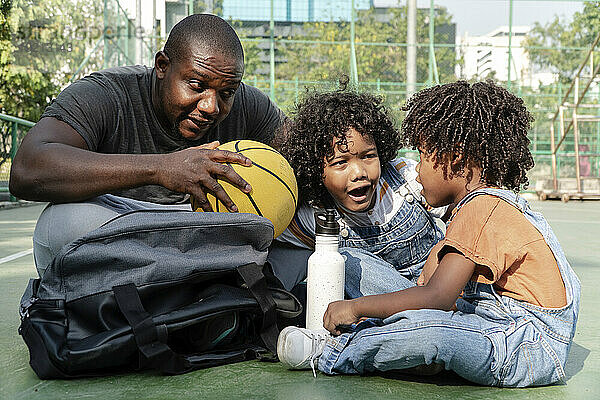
484,122
307,137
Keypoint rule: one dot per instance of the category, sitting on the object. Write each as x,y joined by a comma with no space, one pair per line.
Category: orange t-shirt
509,252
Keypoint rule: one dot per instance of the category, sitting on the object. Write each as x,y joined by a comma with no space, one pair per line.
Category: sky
478,17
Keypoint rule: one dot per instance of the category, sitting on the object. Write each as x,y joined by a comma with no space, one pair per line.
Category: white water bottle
325,276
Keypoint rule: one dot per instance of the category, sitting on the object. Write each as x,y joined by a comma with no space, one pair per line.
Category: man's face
196,92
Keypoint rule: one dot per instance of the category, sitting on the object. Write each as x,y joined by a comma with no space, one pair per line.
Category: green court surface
577,225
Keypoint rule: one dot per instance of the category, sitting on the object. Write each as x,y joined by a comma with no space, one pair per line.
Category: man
134,137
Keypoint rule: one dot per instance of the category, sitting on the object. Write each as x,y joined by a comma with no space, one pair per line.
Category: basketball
274,193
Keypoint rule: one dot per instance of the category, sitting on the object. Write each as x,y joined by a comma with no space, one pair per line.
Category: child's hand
339,313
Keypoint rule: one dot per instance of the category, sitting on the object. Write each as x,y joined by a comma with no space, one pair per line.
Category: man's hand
339,313
195,171
53,164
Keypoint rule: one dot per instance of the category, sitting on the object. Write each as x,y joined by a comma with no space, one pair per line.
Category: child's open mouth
360,194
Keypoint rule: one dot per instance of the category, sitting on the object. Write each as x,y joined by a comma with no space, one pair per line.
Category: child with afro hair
343,147
497,301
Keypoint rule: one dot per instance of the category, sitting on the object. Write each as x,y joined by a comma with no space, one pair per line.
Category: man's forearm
61,173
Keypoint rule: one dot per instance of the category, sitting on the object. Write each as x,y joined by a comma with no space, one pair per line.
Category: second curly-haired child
497,301
343,147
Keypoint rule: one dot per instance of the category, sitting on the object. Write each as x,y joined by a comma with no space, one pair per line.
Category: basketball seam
273,174
280,180
254,204
259,148
249,198
237,148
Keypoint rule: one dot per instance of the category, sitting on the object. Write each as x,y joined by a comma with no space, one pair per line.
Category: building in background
479,57
486,56
152,20
292,11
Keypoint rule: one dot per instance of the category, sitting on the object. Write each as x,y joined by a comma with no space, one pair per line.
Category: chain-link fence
294,46
291,47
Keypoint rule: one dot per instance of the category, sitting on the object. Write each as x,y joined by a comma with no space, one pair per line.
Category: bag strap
257,285
146,335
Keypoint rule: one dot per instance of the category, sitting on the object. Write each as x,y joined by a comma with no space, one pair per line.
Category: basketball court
576,223
294,46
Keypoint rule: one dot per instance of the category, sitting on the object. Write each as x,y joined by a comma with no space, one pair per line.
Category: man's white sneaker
299,348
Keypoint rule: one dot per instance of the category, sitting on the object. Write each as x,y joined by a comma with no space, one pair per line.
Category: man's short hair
208,32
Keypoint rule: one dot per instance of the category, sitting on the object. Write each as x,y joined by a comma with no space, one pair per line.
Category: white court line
15,256
570,221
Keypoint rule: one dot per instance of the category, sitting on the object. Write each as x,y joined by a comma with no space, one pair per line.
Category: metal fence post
297,94
431,48
105,53
411,49
13,148
510,17
353,67
272,56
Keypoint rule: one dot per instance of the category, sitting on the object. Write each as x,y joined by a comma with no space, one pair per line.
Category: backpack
172,291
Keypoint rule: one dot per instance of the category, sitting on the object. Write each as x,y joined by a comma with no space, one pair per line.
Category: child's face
351,176
437,190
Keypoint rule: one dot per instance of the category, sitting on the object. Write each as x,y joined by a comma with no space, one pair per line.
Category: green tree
6,47
42,43
380,50
554,46
208,6
48,41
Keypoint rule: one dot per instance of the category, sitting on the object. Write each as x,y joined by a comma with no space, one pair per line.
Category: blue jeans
491,340
368,274
378,255
412,338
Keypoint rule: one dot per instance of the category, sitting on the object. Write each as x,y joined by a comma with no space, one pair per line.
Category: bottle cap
325,223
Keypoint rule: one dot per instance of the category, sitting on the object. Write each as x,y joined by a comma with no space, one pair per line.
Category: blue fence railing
12,129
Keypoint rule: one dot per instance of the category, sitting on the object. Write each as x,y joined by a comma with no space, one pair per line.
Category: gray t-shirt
112,111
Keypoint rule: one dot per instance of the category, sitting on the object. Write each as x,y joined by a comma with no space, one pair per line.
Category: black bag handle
257,285
158,354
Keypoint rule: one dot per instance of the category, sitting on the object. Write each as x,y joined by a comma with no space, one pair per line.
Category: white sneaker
299,348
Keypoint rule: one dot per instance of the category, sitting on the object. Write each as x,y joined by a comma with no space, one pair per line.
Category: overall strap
508,196
393,177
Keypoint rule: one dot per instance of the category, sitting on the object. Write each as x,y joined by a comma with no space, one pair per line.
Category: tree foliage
48,41
319,52
380,52
560,46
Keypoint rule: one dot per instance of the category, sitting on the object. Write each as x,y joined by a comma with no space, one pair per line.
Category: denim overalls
402,244
492,340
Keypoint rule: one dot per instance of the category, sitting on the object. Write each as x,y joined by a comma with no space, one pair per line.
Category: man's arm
440,293
53,164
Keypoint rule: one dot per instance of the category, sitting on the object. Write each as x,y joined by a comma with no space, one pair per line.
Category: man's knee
60,224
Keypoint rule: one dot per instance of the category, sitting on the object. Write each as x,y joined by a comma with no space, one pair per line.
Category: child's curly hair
482,121
306,140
